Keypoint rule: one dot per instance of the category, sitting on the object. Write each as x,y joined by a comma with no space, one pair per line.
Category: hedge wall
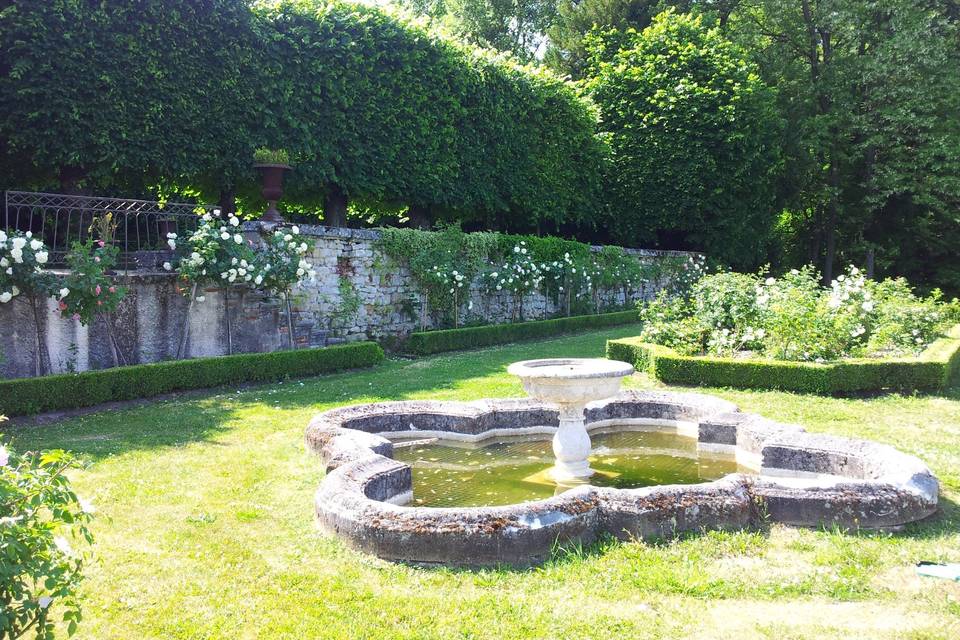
68,391
427,342
935,369
181,92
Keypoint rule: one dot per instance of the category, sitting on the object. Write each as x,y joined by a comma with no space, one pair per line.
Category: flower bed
68,391
427,342
934,369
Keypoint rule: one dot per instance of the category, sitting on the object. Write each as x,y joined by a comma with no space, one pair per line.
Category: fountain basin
798,479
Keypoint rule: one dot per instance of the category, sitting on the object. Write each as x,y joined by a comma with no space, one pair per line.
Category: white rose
41,257
295,229
6,296
19,243
224,236
172,244
14,291
4,263
235,221
287,238
36,245
258,280
64,293
300,272
167,266
238,238
9,271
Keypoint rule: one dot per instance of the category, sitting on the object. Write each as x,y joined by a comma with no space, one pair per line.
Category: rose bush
87,290
43,529
792,317
22,266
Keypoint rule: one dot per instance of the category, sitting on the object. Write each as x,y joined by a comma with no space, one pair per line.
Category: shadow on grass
203,415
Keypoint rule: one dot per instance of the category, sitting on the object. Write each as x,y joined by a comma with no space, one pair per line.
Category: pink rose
96,259
101,243
97,290
112,289
62,306
99,302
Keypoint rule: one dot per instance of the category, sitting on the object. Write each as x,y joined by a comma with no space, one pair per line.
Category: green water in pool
516,469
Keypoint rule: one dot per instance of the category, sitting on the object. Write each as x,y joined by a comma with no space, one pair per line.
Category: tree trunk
335,207
42,365
227,201
185,329
286,297
420,216
226,317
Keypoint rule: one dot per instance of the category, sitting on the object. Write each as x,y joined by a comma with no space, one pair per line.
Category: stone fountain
570,383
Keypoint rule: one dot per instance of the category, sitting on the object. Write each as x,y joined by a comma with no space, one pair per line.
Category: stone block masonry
359,293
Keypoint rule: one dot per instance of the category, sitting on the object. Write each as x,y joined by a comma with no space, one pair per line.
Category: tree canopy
693,132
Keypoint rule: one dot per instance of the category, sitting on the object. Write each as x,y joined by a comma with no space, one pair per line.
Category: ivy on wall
446,263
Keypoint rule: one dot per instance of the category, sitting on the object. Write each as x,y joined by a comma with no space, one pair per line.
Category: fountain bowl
570,380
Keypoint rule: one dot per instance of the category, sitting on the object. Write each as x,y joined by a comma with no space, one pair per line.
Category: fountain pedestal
570,383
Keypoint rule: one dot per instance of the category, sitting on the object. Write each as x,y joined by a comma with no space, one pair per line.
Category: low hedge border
427,342
26,396
935,369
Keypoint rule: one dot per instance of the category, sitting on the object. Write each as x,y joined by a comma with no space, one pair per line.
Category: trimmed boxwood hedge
935,369
427,342
26,396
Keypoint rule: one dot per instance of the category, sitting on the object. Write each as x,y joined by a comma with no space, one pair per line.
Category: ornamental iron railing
140,226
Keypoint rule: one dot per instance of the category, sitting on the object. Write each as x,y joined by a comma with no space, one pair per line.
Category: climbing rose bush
88,290
216,254
22,266
43,534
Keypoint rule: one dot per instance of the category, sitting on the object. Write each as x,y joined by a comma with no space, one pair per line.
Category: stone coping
805,480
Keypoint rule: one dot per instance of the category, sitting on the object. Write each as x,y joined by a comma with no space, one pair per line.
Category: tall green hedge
937,368
183,91
69,391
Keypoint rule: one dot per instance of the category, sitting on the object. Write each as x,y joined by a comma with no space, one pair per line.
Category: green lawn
205,530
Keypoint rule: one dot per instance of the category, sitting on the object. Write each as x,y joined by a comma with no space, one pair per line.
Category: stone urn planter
272,188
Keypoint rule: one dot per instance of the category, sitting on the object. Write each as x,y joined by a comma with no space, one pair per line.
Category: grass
205,530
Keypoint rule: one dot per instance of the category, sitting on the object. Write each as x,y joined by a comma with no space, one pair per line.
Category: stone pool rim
806,480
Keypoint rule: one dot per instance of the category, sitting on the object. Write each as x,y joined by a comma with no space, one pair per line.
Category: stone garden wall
359,293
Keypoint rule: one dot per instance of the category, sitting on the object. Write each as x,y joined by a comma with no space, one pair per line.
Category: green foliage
935,369
693,133
427,342
872,142
183,93
445,263
69,391
263,155
514,26
793,318
39,516
87,290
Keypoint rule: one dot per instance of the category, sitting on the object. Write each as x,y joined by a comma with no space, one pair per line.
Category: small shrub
427,342
39,517
264,155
